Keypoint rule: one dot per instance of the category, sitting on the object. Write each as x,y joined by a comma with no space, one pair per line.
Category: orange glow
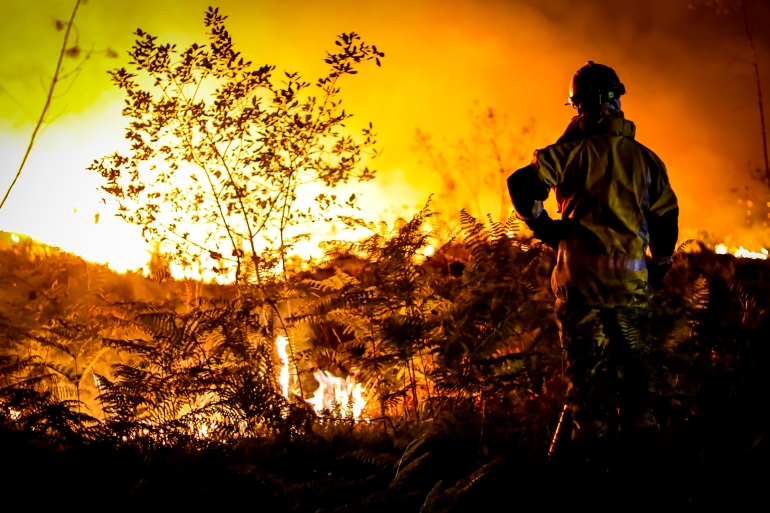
441,58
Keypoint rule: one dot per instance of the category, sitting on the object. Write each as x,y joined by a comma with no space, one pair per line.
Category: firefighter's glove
655,275
548,230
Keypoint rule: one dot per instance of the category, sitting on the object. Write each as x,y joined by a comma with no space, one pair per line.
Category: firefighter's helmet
594,85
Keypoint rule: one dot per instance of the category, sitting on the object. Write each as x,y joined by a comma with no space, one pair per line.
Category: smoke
692,93
691,90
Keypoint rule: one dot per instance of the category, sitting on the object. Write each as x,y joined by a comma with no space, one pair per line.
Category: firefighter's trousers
608,373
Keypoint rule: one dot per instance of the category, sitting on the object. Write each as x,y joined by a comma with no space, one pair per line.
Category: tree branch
759,88
48,99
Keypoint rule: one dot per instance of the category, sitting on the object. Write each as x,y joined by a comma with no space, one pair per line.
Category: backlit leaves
224,148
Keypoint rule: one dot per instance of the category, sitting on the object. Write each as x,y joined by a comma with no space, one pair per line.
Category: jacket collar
609,122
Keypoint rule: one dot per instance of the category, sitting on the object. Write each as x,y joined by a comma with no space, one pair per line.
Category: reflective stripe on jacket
614,198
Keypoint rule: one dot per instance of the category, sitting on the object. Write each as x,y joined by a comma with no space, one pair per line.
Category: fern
684,246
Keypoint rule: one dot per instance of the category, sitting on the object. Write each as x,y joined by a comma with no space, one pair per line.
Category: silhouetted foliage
472,355
170,389
219,150
474,170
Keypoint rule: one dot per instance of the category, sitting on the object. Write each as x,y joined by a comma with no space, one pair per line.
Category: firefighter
617,229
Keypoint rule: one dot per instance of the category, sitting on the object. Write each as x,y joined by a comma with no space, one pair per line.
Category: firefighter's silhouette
617,229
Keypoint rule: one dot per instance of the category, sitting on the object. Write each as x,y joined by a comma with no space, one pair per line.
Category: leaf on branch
72,52
114,190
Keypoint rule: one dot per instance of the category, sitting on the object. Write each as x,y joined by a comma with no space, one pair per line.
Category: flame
281,344
745,253
202,432
741,252
337,394
343,397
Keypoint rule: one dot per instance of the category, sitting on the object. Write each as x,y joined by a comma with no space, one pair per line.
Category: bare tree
739,7
755,63
479,163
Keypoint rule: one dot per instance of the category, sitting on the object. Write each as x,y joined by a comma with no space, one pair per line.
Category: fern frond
684,246
378,459
512,226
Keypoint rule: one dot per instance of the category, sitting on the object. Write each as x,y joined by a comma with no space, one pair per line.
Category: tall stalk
759,88
47,105
412,378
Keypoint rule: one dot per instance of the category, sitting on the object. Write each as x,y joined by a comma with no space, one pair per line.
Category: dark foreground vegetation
122,390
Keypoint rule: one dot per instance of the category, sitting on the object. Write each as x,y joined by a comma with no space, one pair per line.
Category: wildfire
338,395
741,252
202,431
281,344
342,397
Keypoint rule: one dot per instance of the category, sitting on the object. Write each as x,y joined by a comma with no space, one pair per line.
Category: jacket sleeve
662,216
527,193
530,185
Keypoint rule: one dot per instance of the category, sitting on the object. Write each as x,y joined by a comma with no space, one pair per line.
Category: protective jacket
615,201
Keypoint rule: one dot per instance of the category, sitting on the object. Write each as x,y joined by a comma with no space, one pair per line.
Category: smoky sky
690,82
